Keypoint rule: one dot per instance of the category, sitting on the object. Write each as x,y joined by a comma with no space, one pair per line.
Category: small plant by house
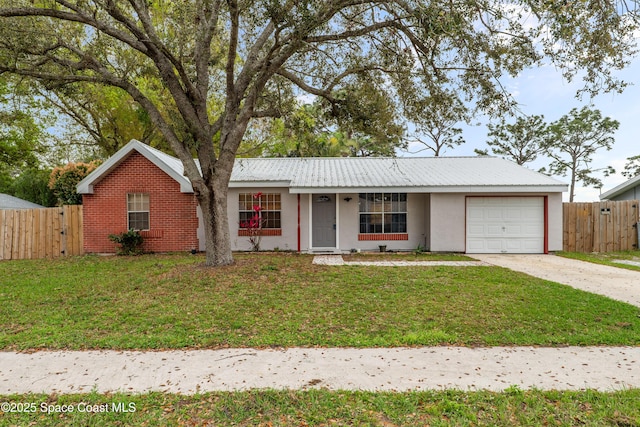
130,242
254,224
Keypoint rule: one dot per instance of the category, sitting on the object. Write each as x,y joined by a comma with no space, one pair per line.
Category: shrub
130,242
64,180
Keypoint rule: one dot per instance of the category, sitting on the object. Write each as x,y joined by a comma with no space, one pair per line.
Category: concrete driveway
617,283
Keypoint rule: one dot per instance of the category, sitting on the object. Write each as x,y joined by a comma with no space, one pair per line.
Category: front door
324,221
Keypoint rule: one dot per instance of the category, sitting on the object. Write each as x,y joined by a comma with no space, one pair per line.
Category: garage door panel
493,214
475,213
512,230
476,230
514,245
513,214
493,230
532,245
505,224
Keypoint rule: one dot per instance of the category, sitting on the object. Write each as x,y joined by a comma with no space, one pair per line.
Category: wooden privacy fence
41,233
600,226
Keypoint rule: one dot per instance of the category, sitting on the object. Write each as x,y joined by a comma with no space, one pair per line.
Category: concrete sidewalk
397,369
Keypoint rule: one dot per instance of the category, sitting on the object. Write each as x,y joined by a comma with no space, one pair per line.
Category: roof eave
252,184
436,189
616,191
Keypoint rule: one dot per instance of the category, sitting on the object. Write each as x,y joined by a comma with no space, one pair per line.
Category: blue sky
543,91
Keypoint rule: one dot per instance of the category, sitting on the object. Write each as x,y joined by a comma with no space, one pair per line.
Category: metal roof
410,173
11,202
356,174
616,191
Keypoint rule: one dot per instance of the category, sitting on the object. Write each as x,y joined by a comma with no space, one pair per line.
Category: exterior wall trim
262,232
383,236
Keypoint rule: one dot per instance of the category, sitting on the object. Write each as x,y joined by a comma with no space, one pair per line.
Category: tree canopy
213,66
632,167
20,131
522,141
574,140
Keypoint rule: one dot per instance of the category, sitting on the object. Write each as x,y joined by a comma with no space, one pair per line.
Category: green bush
130,242
63,181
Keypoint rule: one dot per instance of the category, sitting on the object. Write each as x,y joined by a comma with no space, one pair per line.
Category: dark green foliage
130,242
64,180
522,141
33,185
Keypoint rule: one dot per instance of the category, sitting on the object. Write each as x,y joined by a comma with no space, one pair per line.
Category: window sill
383,236
263,232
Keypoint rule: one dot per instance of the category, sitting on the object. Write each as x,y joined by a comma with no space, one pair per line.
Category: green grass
606,258
172,301
326,408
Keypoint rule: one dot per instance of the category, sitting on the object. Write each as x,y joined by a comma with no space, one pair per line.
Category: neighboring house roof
356,174
11,202
622,188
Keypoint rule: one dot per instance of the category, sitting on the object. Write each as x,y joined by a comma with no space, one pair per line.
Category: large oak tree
224,63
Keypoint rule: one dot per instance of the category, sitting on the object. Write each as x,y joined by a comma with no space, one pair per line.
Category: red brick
172,214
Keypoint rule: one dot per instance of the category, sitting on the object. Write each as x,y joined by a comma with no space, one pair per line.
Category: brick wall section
383,236
172,214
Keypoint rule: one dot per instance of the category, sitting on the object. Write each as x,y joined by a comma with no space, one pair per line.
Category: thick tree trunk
213,202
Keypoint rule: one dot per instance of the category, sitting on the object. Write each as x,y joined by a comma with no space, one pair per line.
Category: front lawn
513,407
172,301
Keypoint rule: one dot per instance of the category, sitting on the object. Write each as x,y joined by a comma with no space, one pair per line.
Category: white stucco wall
555,222
349,225
447,215
435,221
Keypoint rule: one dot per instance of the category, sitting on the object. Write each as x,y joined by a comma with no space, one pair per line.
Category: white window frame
138,203
382,212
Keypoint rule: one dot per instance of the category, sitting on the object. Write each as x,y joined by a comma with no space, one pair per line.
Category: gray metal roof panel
11,202
352,172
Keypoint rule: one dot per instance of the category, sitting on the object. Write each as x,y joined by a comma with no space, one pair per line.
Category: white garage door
505,225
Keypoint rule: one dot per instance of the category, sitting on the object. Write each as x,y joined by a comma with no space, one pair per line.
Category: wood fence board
37,233
600,226
565,227
15,238
572,225
3,216
590,239
8,234
73,230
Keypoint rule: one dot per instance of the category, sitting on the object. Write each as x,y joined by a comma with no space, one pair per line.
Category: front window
259,210
138,211
383,212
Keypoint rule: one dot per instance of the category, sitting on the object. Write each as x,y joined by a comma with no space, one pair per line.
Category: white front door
323,221
505,225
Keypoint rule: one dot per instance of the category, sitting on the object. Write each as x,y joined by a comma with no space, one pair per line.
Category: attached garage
505,225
